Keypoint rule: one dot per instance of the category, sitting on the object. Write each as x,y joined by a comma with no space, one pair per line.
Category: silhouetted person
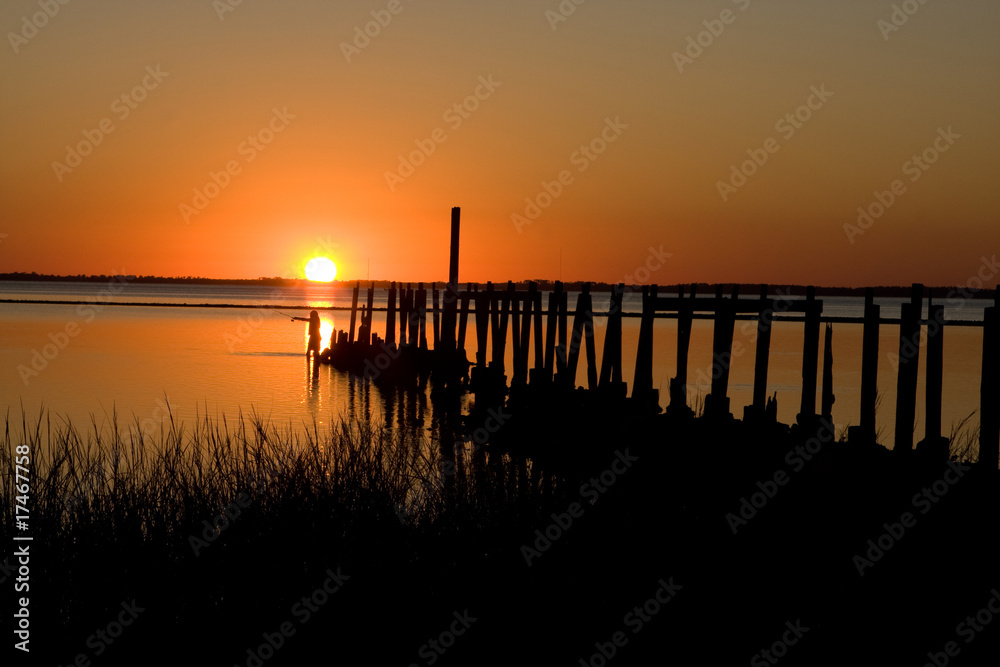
314,333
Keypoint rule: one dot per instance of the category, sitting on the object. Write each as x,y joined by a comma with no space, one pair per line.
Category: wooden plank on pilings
463,315
483,300
611,356
422,315
436,310
810,359
826,402
906,376
989,389
763,351
550,333
354,311
588,331
717,402
935,370
390,316
536,300
642,383
869,368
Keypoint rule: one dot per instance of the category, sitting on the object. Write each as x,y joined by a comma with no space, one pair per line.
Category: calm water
94,358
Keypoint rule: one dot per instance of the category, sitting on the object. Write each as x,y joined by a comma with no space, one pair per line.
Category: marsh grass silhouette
319,500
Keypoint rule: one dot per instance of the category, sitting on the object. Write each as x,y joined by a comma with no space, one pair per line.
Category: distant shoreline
703,289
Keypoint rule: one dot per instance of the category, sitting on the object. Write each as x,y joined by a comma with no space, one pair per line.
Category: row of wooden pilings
557,349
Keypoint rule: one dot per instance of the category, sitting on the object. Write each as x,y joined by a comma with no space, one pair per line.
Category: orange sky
331,122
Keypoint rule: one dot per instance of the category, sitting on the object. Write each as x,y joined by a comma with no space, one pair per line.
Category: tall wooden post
422,315
451,290
436,310
536,300
550,333
463,316
368,317
935,369
906,377
483,323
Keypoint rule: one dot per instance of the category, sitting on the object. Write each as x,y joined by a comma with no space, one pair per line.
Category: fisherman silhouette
314,332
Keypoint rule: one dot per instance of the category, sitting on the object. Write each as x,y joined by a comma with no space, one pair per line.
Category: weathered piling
611,357
447,337
435,309
934,444
826,403
810,359
354,311
865,432
906,377
989,390
463,315
482,323
550,331
678,384
762,355
390,316
717,402
422,315
642,384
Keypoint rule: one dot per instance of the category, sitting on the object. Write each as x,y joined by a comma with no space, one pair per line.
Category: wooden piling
611,357
550,332
368,317
869,368
935,370
435,308
390,316
906,377
482,323
717,402
678,384
810,359
642,384
536,300
826,403
422,315
354,311
463,315
989,390
763,351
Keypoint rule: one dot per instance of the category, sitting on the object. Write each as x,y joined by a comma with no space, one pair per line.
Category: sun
321,269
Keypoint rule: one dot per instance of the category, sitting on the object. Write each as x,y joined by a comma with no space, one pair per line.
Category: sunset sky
304,120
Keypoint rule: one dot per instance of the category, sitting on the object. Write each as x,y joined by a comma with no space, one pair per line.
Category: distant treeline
703,289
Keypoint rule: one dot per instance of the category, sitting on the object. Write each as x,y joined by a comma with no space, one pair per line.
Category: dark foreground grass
356,544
